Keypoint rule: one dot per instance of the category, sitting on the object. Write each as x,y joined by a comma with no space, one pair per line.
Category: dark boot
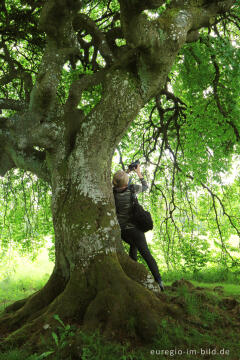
160,283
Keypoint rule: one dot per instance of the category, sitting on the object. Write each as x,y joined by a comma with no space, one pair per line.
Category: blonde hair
120,179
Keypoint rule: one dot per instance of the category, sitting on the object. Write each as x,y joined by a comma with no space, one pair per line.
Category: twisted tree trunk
94,283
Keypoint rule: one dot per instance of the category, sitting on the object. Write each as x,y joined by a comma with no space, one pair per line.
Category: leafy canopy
187,136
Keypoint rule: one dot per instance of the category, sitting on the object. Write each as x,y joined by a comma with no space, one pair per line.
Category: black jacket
124,204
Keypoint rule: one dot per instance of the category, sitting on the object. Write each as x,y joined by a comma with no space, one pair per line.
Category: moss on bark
101,296
105,296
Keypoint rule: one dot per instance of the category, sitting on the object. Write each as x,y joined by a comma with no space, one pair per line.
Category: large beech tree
125,49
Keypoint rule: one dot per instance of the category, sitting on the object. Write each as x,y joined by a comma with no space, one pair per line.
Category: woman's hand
138,171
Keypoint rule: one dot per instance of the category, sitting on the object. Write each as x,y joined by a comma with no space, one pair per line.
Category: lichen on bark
94,283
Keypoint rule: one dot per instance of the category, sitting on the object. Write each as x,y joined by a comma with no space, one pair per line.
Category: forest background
192,167
186,138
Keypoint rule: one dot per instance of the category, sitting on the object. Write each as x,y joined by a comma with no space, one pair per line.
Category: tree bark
94,283
91,268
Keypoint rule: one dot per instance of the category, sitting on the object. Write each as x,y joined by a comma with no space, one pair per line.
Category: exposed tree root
31,307
101,296
138,273
106,295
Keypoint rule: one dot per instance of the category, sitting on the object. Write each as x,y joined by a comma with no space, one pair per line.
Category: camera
133,165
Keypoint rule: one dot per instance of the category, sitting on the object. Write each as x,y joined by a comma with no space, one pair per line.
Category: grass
27,278
24,278
213,274
209,278
228,289
17,354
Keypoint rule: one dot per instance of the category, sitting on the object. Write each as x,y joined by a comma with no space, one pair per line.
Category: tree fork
95,284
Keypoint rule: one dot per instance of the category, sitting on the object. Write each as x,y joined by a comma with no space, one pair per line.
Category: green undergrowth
217,274
211,278
22,277
174,339
87,346
206,326
17,354
25,277
205,323
15,289
228,289
209,327
183,342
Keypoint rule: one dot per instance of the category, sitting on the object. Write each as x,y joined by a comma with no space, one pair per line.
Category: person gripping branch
129,231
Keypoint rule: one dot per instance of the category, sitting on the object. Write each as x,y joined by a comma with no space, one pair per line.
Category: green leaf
55,337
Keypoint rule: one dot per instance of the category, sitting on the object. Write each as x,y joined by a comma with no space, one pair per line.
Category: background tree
75,74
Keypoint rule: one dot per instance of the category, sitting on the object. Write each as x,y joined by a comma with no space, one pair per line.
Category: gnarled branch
83,22
56,21
11,104
78,86
139,5
12,156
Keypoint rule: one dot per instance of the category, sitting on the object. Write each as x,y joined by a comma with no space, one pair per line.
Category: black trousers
137,241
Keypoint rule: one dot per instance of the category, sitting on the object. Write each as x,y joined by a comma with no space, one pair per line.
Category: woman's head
120,179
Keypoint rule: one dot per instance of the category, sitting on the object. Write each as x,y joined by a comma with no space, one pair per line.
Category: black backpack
140,218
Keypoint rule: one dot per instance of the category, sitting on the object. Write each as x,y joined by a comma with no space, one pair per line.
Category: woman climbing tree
129,231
